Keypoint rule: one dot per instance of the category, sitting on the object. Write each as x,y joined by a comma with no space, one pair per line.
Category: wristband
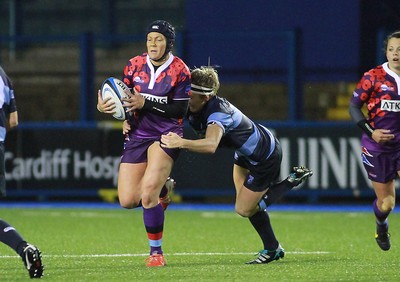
366,127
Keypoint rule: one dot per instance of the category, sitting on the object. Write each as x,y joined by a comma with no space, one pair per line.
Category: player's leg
129,192
166,191
383,205
31,256
2,172
247,206
129,179
297,176
246,200
381,170
158,169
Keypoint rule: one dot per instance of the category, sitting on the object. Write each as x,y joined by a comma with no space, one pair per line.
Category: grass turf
111,245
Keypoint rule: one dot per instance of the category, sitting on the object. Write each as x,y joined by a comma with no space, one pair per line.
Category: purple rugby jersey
170,81
379,90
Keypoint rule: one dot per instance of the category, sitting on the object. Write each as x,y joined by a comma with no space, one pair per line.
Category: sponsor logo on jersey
161,100
138,79
250,179
390,105
384,87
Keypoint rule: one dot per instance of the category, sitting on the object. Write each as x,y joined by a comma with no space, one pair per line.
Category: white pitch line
173,254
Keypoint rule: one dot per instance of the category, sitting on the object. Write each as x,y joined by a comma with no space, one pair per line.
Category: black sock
276,191
10,237
262,225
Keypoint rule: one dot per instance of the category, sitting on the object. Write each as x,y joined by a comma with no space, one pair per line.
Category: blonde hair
206,77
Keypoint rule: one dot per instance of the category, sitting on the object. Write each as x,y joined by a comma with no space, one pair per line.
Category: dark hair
395,34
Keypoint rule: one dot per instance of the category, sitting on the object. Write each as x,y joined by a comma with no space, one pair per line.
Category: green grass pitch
111,245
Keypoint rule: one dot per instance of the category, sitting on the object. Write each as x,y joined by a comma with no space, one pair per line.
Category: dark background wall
338,36
330,32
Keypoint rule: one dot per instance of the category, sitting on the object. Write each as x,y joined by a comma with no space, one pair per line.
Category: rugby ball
114,88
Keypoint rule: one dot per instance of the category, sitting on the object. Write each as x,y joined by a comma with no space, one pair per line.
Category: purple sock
154,223
381,218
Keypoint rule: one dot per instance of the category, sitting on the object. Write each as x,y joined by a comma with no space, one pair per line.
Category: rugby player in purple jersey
379,90
257,159
160,84
30,254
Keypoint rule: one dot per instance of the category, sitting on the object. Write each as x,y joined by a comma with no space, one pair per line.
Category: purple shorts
135,151
381,167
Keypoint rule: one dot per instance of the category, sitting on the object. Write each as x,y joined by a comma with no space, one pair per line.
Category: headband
197,89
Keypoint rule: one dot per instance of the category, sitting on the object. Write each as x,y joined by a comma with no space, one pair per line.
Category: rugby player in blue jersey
379,90
31,256
257,158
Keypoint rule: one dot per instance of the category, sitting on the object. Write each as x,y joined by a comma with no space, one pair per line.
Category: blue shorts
264,174
135,151
381,167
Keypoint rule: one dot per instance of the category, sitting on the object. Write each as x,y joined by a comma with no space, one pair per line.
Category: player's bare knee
127,204
388,204
243,212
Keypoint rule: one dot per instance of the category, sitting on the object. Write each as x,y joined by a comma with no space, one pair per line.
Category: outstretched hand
171,140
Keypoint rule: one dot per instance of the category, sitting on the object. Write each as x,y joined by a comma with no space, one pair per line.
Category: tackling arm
207,145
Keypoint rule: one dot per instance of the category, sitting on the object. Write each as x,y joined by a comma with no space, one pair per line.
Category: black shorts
2,172
265,173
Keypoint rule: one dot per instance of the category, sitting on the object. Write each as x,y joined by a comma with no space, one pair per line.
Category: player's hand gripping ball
115,89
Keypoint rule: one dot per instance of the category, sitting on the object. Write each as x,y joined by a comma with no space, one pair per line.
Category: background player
379,89
258,155
30,255
160,83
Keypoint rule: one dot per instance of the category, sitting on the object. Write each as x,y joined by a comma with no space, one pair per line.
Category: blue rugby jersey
250,140
7,102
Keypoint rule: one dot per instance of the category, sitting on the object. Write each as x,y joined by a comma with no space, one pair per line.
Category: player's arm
378,135
175,109
11,113
207,145
13,120
358,117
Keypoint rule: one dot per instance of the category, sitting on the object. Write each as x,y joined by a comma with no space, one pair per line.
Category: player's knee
243,212
388,204
126,204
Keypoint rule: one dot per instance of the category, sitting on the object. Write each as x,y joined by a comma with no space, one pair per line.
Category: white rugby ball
114,88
